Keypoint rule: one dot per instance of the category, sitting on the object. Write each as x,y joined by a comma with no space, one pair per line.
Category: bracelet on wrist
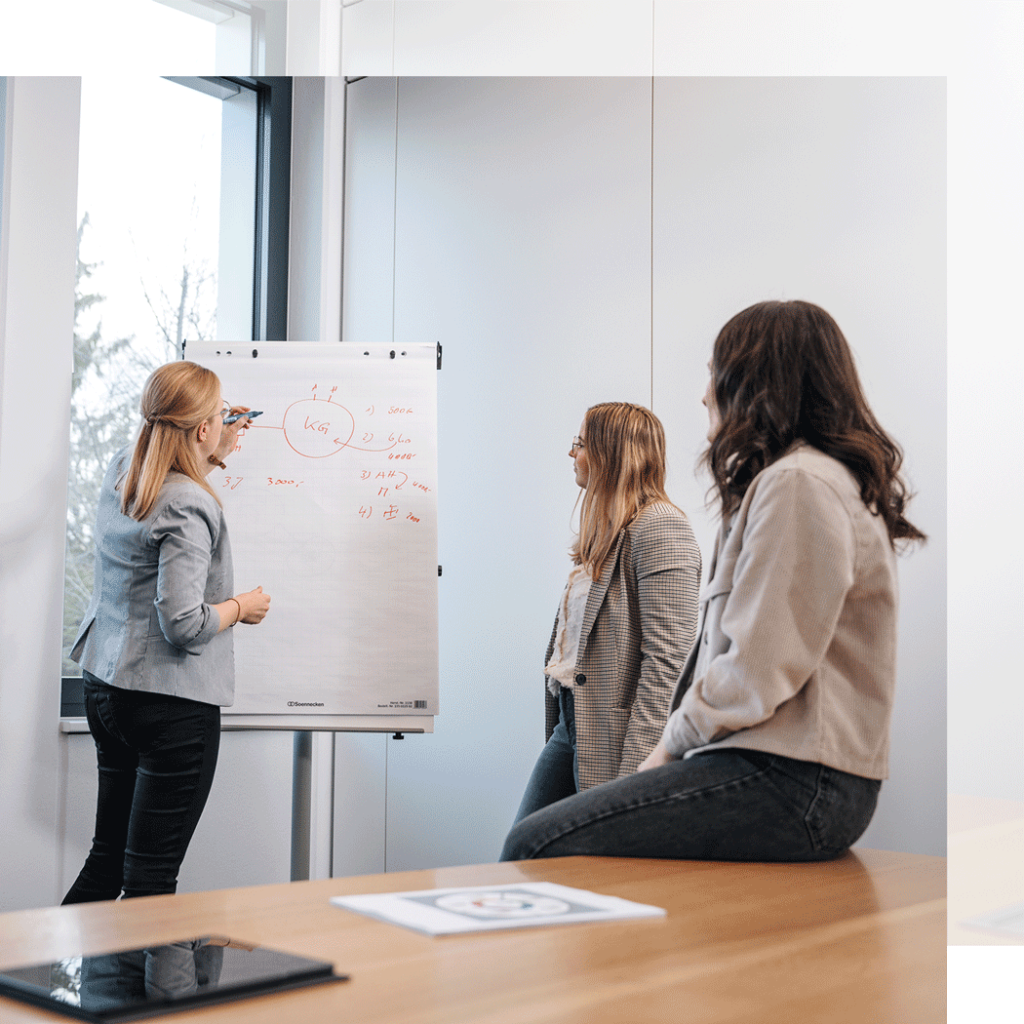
238,617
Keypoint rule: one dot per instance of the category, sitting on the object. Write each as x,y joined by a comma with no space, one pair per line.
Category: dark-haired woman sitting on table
778,736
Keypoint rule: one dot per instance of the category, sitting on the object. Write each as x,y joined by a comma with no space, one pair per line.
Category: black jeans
156,756
729,804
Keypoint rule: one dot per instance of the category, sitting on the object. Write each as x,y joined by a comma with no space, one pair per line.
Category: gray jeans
727,804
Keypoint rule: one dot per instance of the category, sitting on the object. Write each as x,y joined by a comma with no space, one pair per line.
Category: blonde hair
177,399
625,446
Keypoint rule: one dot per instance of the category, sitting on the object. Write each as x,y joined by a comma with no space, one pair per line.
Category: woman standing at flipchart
155,646
628,614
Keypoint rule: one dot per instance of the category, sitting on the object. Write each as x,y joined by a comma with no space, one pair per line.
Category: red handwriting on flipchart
316,428
390,513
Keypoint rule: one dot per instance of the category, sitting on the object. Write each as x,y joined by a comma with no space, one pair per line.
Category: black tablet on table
127,984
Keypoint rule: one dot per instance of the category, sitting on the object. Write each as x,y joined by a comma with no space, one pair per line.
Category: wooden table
859,939
986,855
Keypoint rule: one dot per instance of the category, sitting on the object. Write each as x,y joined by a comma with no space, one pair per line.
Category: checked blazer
639,624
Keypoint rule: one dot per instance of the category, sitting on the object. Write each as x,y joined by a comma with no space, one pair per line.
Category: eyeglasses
225,412
577,445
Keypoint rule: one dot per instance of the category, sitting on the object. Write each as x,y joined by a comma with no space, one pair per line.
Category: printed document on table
482,908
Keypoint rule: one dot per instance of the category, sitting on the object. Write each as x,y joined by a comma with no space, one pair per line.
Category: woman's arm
656,758
790,582
185,531
667,564
250,607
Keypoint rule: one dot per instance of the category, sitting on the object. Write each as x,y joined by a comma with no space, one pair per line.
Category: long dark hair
783,372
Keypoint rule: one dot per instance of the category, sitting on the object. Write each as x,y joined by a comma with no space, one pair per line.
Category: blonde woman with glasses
155,645
628,614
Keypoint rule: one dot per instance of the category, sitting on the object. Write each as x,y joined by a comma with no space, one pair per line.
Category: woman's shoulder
810,492
805,460
661,523
181,494
806,485
657,512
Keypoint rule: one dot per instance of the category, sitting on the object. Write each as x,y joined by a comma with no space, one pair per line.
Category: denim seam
707,791
825,790
105,714
813,790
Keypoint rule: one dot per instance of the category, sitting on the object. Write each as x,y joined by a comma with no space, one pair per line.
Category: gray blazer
149,625
797,649
638,626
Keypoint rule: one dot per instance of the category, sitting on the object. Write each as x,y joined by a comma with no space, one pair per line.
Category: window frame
273,204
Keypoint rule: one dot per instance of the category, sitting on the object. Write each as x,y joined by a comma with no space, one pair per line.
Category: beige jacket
797,647
639,624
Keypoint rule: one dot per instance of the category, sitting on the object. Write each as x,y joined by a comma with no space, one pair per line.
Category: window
183,234
145,37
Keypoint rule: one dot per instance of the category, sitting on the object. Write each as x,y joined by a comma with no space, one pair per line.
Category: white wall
520,216
466,37
645,37
37,278
985,370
